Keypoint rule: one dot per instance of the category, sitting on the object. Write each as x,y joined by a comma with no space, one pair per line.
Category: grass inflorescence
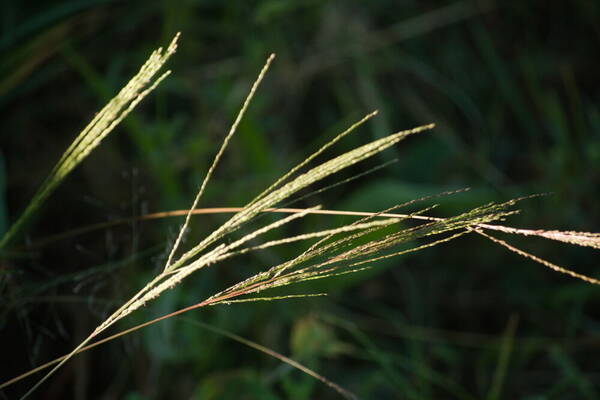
340,250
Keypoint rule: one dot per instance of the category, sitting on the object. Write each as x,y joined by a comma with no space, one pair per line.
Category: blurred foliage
513,88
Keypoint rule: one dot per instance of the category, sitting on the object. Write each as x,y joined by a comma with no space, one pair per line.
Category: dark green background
514,90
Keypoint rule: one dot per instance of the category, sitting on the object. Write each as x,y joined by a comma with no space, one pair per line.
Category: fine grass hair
335,251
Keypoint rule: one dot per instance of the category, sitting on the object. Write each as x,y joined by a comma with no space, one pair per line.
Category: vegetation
392,330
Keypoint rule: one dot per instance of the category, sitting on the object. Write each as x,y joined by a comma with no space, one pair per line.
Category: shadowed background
513,90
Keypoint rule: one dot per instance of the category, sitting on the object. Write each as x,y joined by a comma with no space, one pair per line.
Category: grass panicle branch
539,260
314,155
232,131
142,84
